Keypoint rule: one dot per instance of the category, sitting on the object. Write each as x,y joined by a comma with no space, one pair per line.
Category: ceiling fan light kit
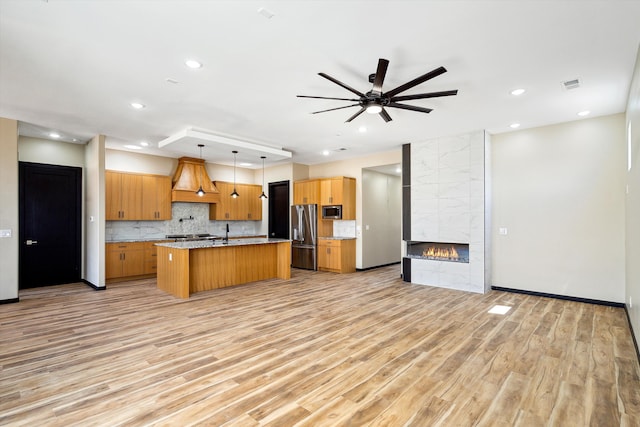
375,101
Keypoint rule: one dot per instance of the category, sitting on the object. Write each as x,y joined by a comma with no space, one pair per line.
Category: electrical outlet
170,256
630,302
503,231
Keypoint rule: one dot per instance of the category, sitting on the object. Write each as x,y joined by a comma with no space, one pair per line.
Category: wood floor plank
318,349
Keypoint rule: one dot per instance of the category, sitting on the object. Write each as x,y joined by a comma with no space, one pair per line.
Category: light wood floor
319,350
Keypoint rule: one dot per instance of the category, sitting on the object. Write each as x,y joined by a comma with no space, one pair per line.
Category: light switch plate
5,233
503,231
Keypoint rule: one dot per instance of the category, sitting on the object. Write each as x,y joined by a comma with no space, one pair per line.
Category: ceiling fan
376,100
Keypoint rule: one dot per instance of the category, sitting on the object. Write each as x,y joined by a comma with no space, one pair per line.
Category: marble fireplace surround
449,201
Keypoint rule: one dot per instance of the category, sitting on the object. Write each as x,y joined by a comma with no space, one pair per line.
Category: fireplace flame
441,253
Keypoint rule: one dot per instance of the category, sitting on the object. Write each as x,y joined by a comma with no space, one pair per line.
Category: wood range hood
189,176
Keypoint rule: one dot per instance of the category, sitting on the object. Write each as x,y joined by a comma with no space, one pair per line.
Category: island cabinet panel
219,266
306,192
173,271
211,269
248,206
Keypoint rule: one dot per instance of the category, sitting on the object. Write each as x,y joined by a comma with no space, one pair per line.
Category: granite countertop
164,239
199,244
337,238
139,239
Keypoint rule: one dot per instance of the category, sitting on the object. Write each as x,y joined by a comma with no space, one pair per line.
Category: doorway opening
49,209
279,209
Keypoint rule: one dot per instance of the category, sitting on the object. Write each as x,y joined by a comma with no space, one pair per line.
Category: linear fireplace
438,251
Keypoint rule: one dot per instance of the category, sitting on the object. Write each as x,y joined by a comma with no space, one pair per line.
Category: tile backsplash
344,228
187,218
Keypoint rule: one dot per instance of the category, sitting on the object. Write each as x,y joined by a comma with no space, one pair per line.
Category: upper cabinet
123,196
306,192
339,190
156,197
248,206
132,196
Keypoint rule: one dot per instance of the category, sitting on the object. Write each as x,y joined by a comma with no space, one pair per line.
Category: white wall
94,211
9,208
353,168
632,285
559,192
39,150
381,218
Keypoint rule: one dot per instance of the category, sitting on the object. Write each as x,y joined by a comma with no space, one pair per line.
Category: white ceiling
75,67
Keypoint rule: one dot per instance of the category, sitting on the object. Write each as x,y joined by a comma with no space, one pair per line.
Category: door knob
31,242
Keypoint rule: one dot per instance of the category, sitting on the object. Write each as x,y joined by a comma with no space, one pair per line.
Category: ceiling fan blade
332,109
339,83
380,73
362,110
387,118
424,95
423,78
409,107
325,97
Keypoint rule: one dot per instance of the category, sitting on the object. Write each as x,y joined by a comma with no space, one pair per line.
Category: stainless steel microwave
332,212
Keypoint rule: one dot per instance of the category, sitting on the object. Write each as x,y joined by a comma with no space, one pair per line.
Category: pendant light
235,193
263,196
200,191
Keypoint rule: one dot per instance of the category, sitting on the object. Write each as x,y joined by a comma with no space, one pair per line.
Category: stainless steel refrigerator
304,236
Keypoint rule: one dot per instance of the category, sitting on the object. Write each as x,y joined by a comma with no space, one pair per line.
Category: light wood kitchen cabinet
132,197
124,260
306,192
150,258
123,196
248,206
156,197
338,256
339,191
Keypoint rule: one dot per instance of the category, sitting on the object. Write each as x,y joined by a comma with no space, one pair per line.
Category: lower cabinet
150,258
125,260
338,256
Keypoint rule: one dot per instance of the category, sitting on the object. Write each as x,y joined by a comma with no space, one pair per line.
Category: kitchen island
188,267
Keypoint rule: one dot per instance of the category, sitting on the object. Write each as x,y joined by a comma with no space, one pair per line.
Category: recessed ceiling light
54,135
325,152
170,80
133,147
192,63
514,125
398,170
584,113
137,105
245,164
362,129
144,144
517,92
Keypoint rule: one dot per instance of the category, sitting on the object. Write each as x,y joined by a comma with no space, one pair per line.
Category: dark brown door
50,220
279,209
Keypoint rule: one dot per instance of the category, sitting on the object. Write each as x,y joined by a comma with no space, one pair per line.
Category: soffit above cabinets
219,148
